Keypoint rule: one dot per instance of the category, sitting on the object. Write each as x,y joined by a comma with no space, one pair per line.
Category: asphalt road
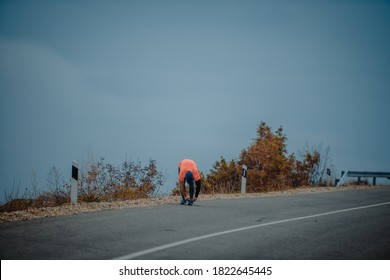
334,225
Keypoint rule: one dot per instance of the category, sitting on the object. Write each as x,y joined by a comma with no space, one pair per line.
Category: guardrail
360,174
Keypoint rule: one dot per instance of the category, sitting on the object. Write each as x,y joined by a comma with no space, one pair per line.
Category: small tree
317,160
58,189
266,160
224,177
299,173
104,181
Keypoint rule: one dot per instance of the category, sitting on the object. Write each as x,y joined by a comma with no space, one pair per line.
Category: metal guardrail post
344,176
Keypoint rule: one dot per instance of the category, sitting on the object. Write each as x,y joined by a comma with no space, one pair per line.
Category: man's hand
187,198
194,199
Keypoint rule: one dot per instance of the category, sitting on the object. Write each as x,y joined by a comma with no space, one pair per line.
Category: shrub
100,181
105,182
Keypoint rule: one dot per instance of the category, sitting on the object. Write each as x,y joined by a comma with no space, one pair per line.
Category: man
188,172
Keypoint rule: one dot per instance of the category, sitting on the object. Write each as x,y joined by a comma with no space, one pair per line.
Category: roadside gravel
69,209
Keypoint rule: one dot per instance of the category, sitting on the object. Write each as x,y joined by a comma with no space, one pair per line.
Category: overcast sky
170,80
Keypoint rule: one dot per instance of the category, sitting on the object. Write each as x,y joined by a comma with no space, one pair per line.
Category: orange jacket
188,165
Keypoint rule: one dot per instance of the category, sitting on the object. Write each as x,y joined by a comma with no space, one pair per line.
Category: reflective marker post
75,181
243,178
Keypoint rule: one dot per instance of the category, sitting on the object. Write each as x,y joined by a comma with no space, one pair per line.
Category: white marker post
75,182
243,179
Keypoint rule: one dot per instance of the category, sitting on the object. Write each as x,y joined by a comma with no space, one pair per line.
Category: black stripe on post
75,173
244,173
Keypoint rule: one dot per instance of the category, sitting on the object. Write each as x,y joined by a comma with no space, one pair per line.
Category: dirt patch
69,209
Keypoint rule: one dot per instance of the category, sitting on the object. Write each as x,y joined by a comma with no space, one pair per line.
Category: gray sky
190,79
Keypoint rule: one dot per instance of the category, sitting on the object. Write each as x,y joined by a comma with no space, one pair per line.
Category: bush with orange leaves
269,166
132,180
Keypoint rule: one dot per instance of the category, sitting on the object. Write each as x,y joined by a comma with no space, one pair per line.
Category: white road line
186,241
